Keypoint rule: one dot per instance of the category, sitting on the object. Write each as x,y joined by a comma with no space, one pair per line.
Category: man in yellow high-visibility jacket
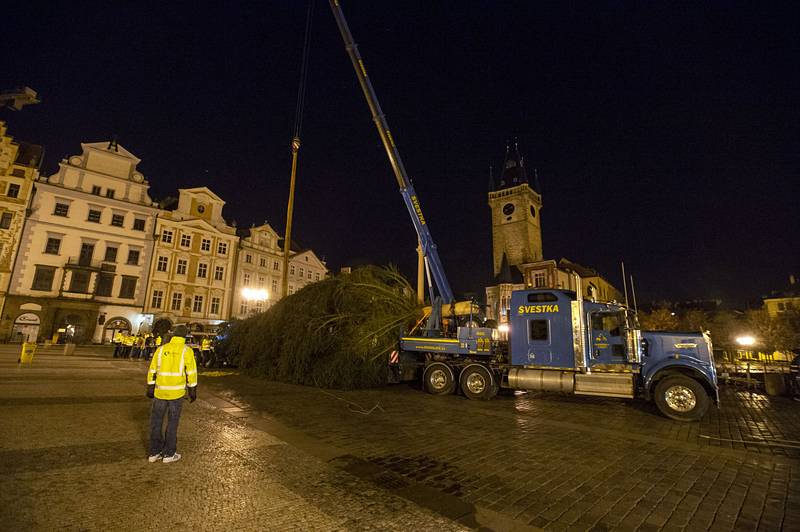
172,371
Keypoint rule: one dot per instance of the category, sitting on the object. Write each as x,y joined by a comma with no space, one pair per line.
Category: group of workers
142,346
135,345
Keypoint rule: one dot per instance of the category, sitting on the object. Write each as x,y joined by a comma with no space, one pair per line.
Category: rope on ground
353,407
757,442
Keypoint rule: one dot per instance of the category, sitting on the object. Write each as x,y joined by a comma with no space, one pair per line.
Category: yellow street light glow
745,340
503,327
255,294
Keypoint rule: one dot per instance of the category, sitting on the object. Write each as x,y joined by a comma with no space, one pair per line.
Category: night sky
666,135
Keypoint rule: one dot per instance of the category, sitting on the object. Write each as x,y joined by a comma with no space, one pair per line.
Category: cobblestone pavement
559,462
72,457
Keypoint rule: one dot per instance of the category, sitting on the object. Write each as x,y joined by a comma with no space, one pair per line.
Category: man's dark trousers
159,443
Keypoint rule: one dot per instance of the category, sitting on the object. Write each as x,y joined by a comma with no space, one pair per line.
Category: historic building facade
517,254
19,168
85,250
192,271
259,271
784,302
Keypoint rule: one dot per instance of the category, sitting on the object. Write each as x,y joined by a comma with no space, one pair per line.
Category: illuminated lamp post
254,295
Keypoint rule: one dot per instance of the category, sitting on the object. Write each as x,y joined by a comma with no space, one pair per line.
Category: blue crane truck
557,341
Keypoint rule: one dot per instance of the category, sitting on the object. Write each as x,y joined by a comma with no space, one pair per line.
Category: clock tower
516,222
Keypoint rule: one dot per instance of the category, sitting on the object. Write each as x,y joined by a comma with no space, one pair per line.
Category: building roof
202,190
110,146
583,271
508,274
29,155
513,172
791,290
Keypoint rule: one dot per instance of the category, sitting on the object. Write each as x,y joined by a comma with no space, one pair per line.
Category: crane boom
433,264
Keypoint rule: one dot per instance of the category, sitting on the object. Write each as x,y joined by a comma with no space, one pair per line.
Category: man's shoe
174,458
155,457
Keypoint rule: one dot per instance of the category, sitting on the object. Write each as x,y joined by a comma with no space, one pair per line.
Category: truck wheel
682,398
477,383
438,379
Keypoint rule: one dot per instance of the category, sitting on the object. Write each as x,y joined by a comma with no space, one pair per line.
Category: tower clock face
508,209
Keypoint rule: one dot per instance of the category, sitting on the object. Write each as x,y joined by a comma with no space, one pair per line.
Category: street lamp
255,294
746,341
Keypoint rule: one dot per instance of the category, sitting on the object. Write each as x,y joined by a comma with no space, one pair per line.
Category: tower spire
513,168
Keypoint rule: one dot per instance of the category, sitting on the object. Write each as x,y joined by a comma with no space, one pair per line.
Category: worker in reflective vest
172,371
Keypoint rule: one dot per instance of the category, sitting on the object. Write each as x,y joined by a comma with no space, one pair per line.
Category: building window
177,301
309,275
79,281
205,245
111,254
246,279
62,209
186,241
163,263
301,273
197,304
219,273
105,282
181,268
291,289
291,269
262,262
133,257
13,190
53,246
110,193
261,281
275,265
243,308
274,286
128,287
316,276
95,190
202,270
166,236
94,216
158,298
248,258
215,302
222,248
539,280
259,306
117,220
5,220
138,224
43,278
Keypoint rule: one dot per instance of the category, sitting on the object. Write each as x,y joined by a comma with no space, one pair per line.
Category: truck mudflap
403,366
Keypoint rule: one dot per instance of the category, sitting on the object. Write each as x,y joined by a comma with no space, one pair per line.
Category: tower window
533,211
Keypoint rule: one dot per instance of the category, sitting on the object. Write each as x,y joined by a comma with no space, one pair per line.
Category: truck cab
597,350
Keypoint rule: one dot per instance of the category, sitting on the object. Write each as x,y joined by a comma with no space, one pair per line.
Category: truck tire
478,383
681,398
438,379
